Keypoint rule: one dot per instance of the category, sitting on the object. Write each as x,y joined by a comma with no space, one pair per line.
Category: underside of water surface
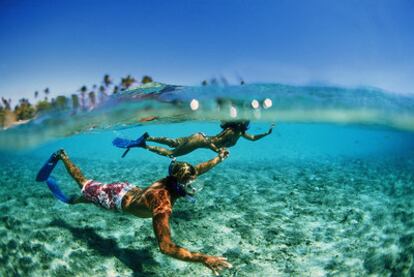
329,192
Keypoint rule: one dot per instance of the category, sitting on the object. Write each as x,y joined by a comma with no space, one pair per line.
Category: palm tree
6,103
116,89
36,94
46,91
146,79
107,80
127,82
92,99
83,90
24,110
102,93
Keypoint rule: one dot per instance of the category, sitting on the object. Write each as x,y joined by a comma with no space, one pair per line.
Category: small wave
160,103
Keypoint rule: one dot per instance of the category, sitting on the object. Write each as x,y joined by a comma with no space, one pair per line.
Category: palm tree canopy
146,79
107,80
116,89
127,82
83,89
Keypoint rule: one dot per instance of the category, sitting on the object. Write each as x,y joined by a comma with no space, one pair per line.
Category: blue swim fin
54,188
128,144
122,143
47,168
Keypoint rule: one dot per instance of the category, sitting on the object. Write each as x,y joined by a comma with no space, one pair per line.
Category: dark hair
240,125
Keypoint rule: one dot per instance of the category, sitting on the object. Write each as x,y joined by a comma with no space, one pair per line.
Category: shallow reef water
311,199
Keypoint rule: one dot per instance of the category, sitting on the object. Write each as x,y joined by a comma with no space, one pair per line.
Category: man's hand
216,264
224,153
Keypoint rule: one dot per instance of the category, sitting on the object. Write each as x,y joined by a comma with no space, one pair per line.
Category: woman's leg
163,140
191,143
159,150
73,170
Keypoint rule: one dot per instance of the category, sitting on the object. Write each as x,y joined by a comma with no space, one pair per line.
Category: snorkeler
155,201
228,137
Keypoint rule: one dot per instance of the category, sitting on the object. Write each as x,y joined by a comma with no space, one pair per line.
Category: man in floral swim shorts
155,201
108,196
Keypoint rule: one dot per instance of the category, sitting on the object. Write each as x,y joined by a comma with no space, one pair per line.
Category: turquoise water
330,194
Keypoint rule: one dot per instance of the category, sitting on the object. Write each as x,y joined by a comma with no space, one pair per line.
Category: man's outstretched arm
162,232
206,166
259,136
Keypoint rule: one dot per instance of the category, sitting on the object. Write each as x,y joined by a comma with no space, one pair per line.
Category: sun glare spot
194,104
233,112
267,103
255,104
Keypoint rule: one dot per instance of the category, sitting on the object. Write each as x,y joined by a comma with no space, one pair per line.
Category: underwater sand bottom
303,219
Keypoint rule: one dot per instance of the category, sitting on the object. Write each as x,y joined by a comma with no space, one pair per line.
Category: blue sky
65,44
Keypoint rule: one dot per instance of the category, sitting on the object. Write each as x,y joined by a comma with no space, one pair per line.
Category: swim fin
128,144
122,143
47,168
54,188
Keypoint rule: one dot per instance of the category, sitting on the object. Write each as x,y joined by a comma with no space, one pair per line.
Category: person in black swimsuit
228,137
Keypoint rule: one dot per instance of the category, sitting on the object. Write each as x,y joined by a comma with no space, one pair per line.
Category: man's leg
73,170
78,200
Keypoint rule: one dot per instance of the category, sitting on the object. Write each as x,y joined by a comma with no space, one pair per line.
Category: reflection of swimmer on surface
228,137
155,201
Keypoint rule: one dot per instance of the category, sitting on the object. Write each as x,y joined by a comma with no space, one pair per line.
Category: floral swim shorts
108,196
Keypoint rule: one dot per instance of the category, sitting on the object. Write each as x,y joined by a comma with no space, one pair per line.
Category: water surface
329,192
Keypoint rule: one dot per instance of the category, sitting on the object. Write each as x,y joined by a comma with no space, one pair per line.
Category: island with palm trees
85,99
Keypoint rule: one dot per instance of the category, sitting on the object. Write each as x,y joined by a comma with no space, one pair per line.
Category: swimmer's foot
60,154
142,140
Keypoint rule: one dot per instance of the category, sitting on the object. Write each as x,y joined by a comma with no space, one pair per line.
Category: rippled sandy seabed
307,201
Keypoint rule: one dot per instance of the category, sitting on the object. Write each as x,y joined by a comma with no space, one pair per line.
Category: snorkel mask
191,187
185,189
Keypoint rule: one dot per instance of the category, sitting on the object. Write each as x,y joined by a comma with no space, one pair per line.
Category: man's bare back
155,201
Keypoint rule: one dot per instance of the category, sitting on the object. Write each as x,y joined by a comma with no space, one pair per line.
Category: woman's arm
213,147
162,232
259,136
206,166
